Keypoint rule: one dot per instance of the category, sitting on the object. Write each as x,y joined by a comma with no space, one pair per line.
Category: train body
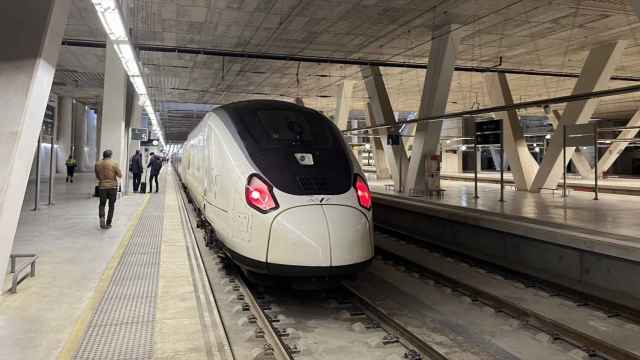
280,188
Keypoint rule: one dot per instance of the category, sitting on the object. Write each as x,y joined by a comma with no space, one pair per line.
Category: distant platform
592,244
611,185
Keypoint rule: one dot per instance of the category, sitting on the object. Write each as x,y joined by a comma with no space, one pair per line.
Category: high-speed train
280,189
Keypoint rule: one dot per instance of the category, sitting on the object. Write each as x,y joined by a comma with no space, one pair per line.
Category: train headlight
259,194
363,192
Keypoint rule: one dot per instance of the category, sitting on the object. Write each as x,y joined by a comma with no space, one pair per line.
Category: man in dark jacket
136,168
155,163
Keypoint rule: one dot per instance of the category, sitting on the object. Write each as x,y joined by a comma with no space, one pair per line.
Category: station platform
611,185
588,245
103,294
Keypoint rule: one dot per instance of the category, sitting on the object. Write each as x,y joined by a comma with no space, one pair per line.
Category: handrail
16,279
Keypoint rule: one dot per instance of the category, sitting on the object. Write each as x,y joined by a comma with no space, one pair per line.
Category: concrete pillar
595,75
435,94
114,101
65,128
79,146
382,111
343,103
581,163
523,165
382,170
135,121
30,36
614,151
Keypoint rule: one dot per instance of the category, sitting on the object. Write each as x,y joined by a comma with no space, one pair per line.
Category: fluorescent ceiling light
138,84
113,25
110,18
127,58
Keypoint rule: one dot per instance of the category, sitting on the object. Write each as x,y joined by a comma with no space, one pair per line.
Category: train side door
223,174
210,169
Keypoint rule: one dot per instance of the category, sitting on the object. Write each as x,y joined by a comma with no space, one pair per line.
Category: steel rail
537,320
186,215
280,349
394,327
501,108
330,60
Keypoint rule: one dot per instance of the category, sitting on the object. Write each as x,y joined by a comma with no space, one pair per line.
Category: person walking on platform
155,163
71,164
136,168
107,172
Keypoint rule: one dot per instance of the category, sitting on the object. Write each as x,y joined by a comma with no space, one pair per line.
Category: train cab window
298,150
286,127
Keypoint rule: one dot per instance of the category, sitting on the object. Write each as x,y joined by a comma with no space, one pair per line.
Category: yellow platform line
75,339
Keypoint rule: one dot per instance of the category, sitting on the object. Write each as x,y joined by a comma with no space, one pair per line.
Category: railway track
349,323
589,342
349,314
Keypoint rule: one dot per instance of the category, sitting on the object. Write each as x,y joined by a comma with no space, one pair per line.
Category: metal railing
16,279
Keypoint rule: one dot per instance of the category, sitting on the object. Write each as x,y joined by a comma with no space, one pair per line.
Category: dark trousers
137,178
109,195
70,171
153,177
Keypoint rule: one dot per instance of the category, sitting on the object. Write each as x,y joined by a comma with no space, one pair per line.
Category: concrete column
595,75
382,111
30,36
80,148
65,128
435,94
382,170
614,151
343,103
523,165
581,163
135,121
114,101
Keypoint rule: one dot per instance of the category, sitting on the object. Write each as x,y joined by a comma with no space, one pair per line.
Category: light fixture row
113,24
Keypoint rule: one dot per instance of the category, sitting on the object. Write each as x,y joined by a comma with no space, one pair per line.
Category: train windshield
300,151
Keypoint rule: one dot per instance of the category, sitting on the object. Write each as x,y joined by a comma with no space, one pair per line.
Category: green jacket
71,163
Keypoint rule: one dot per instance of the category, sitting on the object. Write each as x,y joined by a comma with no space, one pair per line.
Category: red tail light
259,194
363,192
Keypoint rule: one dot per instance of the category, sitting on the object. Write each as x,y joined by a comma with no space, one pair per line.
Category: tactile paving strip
122,325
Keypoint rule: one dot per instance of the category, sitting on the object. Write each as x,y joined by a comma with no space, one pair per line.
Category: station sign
488,132
139,134
488,126
150,142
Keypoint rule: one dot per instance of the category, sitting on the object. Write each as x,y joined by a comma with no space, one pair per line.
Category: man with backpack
107,172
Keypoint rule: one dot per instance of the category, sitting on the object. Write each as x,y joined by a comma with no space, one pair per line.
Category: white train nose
320,236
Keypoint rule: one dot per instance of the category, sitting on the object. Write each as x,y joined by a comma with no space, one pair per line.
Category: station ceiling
552,35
